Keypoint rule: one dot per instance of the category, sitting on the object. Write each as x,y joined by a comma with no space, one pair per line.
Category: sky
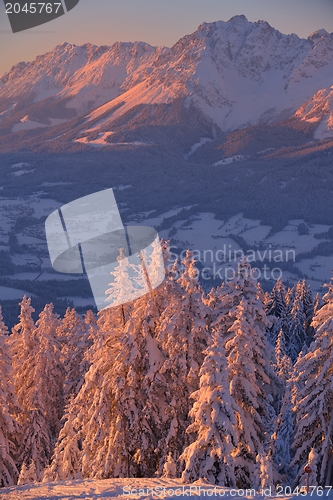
157,22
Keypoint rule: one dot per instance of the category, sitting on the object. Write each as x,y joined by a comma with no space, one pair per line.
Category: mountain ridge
237,74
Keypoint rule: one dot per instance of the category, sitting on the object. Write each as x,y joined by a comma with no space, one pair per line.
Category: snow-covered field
138,488
211,240
11,294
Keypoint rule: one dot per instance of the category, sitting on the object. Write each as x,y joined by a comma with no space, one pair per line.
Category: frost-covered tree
67,456
22,343
170,467
75,340
276,308
283,365
117,414
264,471
248,360
38,375
36,443
214,416
282,439
27,474
135,372
9,428
314,402
308,308
182,337
317,303
297,324
47,392
129,282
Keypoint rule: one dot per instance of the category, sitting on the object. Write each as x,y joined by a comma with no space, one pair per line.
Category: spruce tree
283,365
297,324
182,336
9,428
67,456
38,375
214,415
248,361
314,403
276,308
75,341
283,438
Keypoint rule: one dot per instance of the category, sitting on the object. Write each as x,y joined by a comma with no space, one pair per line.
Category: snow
18,173
102,141
121,187
319,110
50,184
12,293
20,165
27,124
90,489
197,145
227,161
81,302
256,234
43,207
320,267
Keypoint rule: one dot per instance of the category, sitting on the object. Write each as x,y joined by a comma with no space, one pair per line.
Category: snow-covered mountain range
223,77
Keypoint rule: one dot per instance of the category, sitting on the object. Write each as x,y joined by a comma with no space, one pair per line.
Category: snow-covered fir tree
314,402
276,308
67,456
129,282
36,443
308,308
9,429
114,411
297,324
75,340
248,360
182,335
92,412
27,474
49,371
282,439
214,416
170,467
135,436
264,472
283,365
38,375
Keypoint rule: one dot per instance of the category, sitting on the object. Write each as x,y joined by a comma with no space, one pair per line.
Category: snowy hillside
237,74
